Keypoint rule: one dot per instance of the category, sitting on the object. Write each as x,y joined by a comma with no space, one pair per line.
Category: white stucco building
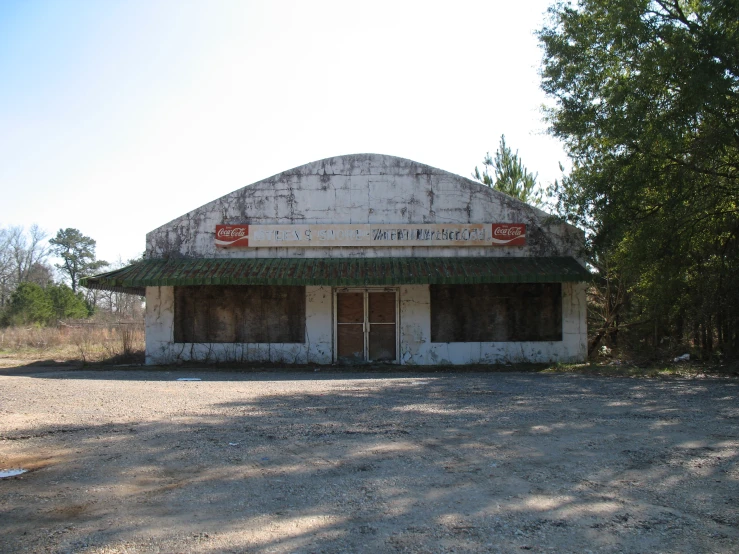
361,258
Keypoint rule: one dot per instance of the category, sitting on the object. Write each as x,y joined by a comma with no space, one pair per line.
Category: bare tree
6,268
41,273
22,258
27,249
120,305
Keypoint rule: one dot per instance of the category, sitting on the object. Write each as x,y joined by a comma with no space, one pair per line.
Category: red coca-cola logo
232,235
507,231
236,232
508,234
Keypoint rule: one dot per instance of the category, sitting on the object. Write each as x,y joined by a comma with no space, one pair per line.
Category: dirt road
136,461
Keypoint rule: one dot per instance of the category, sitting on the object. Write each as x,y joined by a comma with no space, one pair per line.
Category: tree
120,305
29,304
27,250
509,175
77,252
65,303
41,273
22,258
6,268
646,99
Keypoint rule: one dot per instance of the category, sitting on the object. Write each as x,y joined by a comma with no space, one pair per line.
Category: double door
366,325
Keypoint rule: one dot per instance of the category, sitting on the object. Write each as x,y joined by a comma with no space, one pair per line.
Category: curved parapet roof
359,188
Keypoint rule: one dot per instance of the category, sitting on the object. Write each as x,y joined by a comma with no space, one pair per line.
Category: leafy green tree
65,303
646,99
509,175
77,252
29,304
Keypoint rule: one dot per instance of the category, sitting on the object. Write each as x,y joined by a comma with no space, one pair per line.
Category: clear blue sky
118,116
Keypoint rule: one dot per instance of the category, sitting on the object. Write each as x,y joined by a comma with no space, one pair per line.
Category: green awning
336,272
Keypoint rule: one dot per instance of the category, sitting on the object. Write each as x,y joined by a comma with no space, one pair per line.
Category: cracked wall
364,188
416,347
161,348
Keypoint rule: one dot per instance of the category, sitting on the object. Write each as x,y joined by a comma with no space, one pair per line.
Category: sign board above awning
370,235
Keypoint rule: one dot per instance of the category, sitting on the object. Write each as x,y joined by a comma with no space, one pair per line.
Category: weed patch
88,343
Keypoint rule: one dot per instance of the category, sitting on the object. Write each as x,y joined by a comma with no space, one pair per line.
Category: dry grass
691,369
86,343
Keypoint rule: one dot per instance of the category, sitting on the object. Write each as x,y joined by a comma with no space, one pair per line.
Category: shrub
66,304
29,305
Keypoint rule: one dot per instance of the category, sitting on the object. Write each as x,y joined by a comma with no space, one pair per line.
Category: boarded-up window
239,314
496,312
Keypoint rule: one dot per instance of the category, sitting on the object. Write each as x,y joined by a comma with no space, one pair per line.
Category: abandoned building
361,258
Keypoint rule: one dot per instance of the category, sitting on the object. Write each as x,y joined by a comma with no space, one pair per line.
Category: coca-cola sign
232,235
371,235
508,234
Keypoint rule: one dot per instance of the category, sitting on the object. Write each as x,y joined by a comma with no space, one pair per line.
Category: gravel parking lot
137,461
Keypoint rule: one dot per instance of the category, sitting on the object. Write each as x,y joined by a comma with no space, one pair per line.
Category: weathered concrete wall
416,346
160,333
159,320
362,188
365,188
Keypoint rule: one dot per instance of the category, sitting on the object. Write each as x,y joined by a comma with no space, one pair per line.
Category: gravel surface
136,461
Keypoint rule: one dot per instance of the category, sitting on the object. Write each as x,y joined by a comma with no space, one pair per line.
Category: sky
117,116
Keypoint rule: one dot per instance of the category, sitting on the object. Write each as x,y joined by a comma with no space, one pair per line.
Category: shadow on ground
381,463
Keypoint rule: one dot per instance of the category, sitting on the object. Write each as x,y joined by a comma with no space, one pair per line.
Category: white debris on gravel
11,472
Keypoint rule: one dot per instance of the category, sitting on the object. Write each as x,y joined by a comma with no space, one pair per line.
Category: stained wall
364,188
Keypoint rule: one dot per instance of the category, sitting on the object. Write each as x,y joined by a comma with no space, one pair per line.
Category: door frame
366,291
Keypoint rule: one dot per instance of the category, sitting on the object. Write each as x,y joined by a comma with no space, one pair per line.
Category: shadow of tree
381,463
